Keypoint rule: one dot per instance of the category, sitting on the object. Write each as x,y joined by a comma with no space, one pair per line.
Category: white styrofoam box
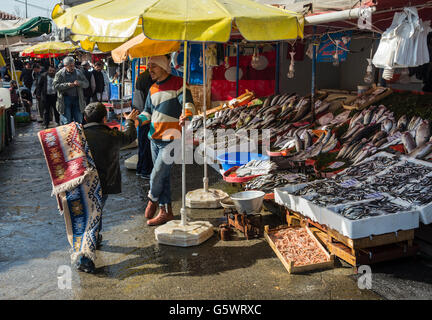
284,195
355,229
425,213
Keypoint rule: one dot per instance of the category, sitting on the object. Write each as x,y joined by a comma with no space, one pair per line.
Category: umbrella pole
121,101
205,180
13,67
205,197
183,209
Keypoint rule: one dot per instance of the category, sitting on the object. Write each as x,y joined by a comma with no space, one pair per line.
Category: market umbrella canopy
49,48
191,20
141,46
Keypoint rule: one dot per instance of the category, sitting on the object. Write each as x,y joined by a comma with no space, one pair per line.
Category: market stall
350,163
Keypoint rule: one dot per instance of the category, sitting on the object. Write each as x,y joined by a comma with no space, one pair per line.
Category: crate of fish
298,249
370,217
284,196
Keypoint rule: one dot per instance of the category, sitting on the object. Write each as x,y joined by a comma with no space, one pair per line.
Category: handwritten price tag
336,165
349,183
375,195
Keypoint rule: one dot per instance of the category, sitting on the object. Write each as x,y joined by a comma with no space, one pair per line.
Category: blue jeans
160,187
72,110
145,161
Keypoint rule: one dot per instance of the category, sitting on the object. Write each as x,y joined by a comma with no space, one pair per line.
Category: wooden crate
289,265
379,97
366,250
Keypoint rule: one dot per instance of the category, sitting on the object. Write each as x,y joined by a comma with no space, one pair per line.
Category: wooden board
289,265
373,241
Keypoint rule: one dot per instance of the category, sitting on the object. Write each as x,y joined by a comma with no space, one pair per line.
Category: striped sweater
163,108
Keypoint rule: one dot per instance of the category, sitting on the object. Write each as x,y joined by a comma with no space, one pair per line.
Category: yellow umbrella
191,20
49,48
180,20
141,46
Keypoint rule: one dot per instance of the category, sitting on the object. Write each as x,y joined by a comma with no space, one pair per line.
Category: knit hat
161,61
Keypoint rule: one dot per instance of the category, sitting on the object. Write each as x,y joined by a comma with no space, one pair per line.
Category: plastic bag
404,43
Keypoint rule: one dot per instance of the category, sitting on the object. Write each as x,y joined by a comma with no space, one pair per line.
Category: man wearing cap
163,110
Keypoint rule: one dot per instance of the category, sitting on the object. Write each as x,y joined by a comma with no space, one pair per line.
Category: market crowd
69,94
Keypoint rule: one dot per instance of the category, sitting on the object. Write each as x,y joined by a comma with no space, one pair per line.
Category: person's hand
132,116
71,84
182,120
76,83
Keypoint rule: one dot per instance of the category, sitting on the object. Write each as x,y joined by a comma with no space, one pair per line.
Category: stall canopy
141,46
49,49
205,20
15,30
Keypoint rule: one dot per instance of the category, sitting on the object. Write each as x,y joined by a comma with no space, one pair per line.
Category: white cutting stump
200,199
193,233
131,163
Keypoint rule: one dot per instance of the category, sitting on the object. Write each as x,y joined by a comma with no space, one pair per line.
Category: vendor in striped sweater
163,109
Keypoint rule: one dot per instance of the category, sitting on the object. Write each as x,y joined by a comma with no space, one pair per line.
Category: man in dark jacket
145,161
105,144
26,76
47,95
85,65
97,82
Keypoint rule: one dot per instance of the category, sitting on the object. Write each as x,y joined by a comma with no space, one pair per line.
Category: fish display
370,209
269,182
256,167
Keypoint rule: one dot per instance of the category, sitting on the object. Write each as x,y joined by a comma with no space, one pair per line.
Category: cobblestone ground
131,265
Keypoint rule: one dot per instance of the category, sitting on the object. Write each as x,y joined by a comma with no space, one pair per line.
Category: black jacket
27,77
105,144
42,87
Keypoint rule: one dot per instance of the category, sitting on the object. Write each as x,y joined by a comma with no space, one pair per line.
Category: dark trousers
145,161
48,105
97,97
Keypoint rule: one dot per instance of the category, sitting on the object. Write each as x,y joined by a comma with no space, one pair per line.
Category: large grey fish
266,102
326,119
275,99
322,107
368,116
421,151
307,139
381,142
327,136
422,133
411,123
342,151
356,149
298,143
351,131
378,136
357,118
408,142
379,113
387,125
330,145
402,122
341,117
349,149
302,110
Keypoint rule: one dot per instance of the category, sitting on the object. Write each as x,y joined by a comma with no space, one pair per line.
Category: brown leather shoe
151,209
162,217
169,210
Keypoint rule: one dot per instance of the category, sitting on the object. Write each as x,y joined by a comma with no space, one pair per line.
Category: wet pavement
131,265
